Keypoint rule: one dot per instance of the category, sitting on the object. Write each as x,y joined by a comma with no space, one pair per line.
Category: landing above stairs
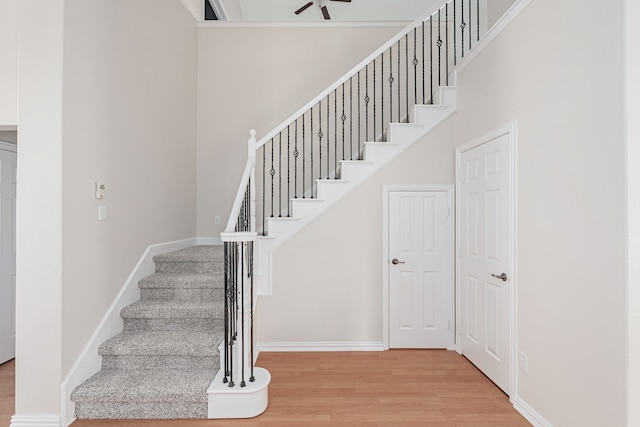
162,363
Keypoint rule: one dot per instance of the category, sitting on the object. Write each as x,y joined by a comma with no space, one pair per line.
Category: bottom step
239,402
144,394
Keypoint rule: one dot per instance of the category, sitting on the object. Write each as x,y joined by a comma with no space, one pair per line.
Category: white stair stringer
400,136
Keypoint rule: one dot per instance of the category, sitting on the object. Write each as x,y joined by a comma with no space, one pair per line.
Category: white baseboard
35,421
89,362
530,414
320,346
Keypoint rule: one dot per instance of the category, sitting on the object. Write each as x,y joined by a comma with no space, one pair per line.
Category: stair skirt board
320,346
89,361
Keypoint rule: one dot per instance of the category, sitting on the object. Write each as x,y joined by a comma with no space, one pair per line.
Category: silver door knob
396,262
502,277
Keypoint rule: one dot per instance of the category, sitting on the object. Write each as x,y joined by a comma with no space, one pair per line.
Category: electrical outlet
522,362
216,220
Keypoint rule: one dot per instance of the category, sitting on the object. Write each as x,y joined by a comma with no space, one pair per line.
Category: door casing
387,190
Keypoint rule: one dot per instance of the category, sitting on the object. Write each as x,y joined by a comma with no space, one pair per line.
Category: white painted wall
571,200
327,282
123,111
256,77
632,106
8,63
39,210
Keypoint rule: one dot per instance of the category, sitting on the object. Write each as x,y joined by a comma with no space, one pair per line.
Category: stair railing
330,129
358,107
238,240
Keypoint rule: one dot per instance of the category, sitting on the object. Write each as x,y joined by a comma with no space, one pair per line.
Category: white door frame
386,192
511,130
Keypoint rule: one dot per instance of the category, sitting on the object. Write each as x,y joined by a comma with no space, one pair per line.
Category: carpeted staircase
167,355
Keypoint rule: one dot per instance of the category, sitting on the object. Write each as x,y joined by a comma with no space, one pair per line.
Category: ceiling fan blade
325,12
303,8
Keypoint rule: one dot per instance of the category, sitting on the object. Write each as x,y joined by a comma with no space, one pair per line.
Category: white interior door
484,258
420,272
7,254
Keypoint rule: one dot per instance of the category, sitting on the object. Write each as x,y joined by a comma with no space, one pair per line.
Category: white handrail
247,177
348,75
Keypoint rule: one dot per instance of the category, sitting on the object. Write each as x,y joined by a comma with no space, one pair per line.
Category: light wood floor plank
405,388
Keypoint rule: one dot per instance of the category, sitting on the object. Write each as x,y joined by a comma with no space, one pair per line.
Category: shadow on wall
9,136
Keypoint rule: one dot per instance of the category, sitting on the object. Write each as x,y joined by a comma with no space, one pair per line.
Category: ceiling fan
322,4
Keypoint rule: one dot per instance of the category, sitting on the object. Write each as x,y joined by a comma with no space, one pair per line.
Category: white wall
123,111
327,281
256,77
39,210
8,63
632,106
564,86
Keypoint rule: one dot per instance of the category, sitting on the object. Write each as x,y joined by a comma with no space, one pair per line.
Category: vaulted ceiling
339,10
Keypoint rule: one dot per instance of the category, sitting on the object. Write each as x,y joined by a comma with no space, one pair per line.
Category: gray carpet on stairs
160,366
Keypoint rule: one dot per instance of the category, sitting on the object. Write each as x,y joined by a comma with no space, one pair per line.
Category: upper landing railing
332,128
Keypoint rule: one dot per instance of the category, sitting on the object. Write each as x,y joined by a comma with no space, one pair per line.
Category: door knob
502,277
396,262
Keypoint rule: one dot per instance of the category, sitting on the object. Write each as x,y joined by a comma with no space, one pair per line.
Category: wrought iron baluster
381,98
264,199
242,343
273,173
335,131
304,159
470,21
252,378
359,118
462,27
311,182
431,59
406,75
366,106
227,259
288,171
351,117
343,117
391,79
296,153
478,20
423,65
320,135
455,30
328,134
375,100
415,66
439,43
446,45
280,175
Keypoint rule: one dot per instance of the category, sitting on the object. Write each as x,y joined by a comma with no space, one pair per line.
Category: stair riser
378,151
331,189
181,294
140,410
189,267
197,324
133,362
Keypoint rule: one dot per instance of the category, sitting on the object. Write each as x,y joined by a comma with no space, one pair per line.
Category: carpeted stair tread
202,254
170,386
183,343
169,309
181,281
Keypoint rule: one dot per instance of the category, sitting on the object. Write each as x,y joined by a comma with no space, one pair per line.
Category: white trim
35,421
8,128
386,193
7,146
320,346
530,414
511,130
89,361
298,24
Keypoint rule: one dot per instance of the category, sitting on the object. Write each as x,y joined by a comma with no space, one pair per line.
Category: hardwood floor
433,388
7,391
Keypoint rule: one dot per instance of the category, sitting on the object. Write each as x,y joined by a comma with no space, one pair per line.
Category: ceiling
357,10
